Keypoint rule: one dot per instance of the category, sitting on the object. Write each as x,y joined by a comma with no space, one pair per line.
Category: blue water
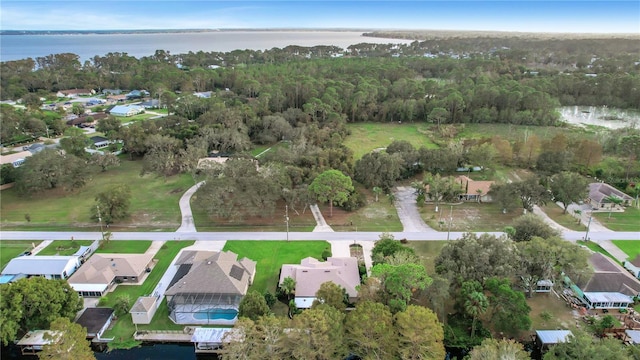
216,314
144,352
16,47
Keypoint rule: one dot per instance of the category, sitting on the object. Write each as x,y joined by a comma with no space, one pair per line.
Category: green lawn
630,247
64,247
369,136
516,132
427,251
596,248
135,118
154,203
12,248
629,220
123,329
380,216
567,220
469,216
270,255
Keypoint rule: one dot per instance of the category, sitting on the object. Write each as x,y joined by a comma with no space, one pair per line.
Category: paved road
337,236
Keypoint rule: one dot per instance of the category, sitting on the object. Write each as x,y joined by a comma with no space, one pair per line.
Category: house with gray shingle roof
208,287
599,194
610,286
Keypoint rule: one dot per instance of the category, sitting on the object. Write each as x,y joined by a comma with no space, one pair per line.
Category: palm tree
475,305
288,287
376,190
615,201
578,213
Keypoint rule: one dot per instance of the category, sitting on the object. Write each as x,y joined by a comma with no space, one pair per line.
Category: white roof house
607,300
552,337
122,110
311,273
50,267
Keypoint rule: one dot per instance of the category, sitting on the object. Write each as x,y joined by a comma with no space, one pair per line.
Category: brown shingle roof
143,304
471,186
610,277
213,275
103,268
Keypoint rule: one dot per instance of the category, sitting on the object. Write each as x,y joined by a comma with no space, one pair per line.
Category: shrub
326,253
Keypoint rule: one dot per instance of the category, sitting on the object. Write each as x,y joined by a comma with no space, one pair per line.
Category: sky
524,16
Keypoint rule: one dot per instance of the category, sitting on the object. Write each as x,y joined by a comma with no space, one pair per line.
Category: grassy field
630,247
515,132
270,255
567,220
123,329
561,315
428,251
154,203
135,118
370,136
380,216
12,248
629,220
469,216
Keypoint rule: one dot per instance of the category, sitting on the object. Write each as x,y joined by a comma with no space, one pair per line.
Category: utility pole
450,221
100,220
286,219
586,235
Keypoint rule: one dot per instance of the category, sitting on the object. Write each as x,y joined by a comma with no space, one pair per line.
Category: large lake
15,47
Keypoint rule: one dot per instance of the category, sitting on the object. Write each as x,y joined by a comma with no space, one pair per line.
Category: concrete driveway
408,210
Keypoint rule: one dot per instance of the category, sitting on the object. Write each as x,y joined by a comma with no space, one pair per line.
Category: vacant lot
567,220
468,217
123,329
154,203
270,255
517,132
427,251
366,137
12,248
629,220
630,247
380,216
558,314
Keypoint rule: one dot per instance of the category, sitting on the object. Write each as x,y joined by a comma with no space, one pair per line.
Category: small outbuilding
96,321
143,310
208,339
633,266
547,338
33,341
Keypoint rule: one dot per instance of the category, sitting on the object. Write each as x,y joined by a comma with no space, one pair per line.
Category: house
633,266
126,111
102,271
143,310
203,94
311,273
137,94
99,141
599,193
50,267
15,159
610,286
151,104
87,118
33,341
74,93
96,321
547,338
474,190
208,287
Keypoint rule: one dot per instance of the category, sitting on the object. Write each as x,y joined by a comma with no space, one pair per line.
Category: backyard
550,312
12,248
629,220
123,329
468,216
369,136
154,203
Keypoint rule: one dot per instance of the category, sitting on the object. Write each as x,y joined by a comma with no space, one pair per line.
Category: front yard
69,247
629,220
630,247
12,248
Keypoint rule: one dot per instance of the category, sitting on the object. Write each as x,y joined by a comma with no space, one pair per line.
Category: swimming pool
216,314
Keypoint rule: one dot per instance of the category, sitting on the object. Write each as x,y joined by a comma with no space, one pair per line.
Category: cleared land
629,220
514,132
378,216
427,251
12,248
154,203
369,136
567,220
469,216
123,329
560,316
630,247
270,255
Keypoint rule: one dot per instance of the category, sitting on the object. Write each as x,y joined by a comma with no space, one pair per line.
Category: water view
15,47
610,118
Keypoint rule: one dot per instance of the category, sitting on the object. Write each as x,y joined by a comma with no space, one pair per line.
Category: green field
12,248
567,220
270,255
123,329
369,136
629,220
516,132
630,247
154,203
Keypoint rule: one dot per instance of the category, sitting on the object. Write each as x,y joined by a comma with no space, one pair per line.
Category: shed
33,341
208,339
546,338
143,310
96,320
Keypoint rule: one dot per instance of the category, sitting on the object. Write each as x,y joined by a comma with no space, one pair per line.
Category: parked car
26,253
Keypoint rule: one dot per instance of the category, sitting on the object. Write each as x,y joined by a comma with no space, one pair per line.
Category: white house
50,267
633,266
311,273
128,110
143,310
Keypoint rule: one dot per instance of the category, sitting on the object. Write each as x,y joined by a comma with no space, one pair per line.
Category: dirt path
408,210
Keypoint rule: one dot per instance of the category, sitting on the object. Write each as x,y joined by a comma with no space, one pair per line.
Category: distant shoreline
165,31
